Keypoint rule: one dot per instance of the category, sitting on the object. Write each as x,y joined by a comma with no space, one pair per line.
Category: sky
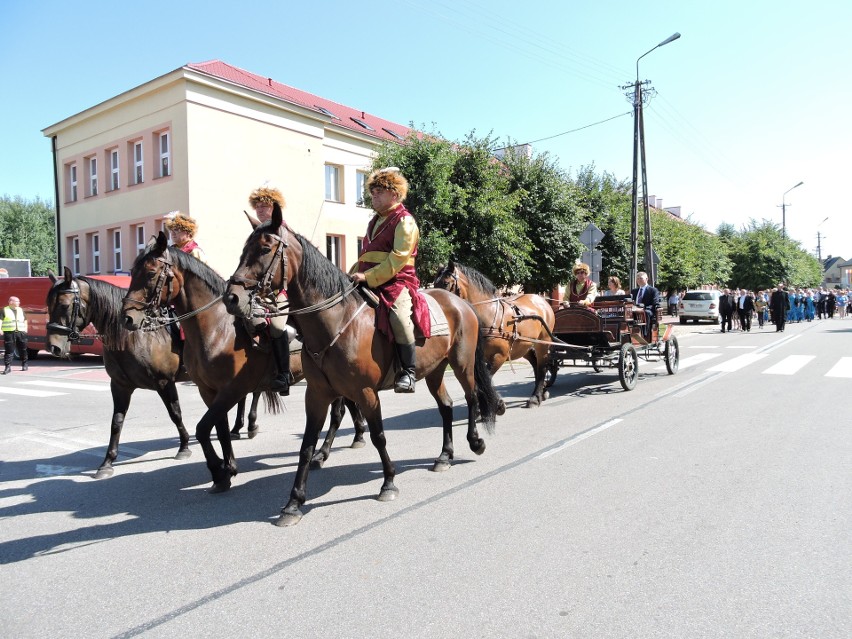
750,101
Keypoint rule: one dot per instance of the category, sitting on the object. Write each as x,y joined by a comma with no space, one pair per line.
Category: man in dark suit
745,309
779,304
645,297
726,308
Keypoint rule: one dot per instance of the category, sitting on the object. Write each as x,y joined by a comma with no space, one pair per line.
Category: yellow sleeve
406,237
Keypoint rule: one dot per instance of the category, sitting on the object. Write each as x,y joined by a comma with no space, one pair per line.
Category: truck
32,291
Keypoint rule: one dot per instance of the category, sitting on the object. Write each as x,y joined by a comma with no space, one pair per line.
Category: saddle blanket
437,317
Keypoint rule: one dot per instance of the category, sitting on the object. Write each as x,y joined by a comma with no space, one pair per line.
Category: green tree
28,231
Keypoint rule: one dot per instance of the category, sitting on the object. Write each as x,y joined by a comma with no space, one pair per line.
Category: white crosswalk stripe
11,390
686,362
843,368
70,385
790,365
737,363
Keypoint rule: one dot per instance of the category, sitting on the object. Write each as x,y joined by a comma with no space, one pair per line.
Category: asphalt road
712,503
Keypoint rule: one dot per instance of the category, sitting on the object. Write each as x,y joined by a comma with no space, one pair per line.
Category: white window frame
115,166
75,255
96,253
165,155
332,183
72,179
138,162
360,188
116,250
334,249
140,239
93,175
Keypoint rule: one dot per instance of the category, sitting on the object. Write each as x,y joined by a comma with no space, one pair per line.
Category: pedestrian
830,304
779,304
726,308
809,305
745,308
760,306
182,230
14,334
386,264
674,298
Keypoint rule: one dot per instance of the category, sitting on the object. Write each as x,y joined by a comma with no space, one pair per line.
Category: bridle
261,290
156,312
71,331
454,286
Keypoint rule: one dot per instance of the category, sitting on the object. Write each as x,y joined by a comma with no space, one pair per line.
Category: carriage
611,333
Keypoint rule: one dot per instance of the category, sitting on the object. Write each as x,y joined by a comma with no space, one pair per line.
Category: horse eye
265,250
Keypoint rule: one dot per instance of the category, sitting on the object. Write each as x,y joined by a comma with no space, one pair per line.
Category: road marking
697,385
843,368
578,438
70,386
125,451
692,361
699,346
749,347
48,470
737,363
790,365
29,393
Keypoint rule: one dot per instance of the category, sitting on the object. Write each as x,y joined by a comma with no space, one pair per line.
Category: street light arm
792,187
671,38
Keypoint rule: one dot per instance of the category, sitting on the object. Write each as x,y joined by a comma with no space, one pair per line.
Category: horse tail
486,394
272,402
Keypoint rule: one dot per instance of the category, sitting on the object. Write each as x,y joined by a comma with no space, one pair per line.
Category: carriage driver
386,264
582,290
261,201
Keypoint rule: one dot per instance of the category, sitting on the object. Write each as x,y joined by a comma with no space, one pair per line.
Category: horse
219,354
520,326
347,356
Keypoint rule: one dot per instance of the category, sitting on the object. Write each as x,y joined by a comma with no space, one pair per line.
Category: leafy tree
28,231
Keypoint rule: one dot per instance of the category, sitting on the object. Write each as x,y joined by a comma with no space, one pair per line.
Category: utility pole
819,246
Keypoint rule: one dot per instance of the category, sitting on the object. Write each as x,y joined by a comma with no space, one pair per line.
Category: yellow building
199,140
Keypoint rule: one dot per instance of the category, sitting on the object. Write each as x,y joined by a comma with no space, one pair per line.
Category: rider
582,290
182,230
261,200
387,265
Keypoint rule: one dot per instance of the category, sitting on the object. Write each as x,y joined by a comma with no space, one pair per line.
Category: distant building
199,139
832,272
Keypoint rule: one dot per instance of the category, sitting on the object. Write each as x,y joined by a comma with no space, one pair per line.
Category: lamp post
784,209
820,237
639,153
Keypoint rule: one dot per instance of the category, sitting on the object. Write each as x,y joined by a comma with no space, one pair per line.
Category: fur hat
389,178
582,266
266,195
183,222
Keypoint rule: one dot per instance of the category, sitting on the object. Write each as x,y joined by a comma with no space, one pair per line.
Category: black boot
283,377
8,370
25,366
405,380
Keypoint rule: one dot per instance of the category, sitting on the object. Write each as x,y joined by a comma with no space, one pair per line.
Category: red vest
578,297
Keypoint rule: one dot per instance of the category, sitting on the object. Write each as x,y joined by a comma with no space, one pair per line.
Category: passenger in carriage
645,297
582,290
613,287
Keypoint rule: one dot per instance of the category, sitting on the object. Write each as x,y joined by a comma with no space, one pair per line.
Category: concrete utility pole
639,96
783,206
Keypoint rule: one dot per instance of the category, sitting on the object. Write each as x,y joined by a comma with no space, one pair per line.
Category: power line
550,137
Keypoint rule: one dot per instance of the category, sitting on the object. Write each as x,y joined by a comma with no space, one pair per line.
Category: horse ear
452,263
252,219
52,277
277,216
68,275
161,243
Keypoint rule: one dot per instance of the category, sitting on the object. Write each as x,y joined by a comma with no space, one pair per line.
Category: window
114,169
326,111
96,253
93,176
116,250
332,249
140,239
75,255
138,173
360,188
72,182
359,244
165,155
332,182
393,135
362,124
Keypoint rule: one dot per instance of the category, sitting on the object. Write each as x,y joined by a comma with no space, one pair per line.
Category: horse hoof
253,433
545,395
183,454
478,446
105,472
388,493
440,466
235,436
288,519
358,443
317,463
533,402
501,407
220,487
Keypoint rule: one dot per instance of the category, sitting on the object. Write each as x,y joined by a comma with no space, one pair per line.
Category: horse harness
71,331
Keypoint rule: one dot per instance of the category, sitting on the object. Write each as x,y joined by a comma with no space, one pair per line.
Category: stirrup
404,383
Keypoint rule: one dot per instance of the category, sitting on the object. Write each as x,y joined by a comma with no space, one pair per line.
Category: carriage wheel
672,355
597,364
628,366
550,373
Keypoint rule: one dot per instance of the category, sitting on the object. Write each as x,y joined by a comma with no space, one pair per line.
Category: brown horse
346,355
515,327
219,353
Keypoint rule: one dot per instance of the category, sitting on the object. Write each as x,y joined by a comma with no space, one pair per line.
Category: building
199,139
834,271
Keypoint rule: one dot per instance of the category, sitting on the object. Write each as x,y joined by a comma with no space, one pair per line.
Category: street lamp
784,209
820,238
639,151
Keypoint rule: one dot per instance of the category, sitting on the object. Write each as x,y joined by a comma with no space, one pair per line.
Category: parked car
699,305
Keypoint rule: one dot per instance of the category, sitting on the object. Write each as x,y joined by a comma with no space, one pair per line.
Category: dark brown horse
513,327
347,356
218,354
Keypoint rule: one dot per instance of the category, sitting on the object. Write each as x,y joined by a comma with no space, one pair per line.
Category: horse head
152,280
262,271
66,311
448,278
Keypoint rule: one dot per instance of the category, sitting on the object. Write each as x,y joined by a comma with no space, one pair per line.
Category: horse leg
542,355
120,404
435,384
252,416
238,419
221,470
338,410
494,363
359,421
373,414
170,399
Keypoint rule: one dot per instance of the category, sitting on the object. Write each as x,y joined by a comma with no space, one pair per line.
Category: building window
360,188
332,249
138,165
114,169
140,239
96,253
72,182
165,155
116,250
332,183
75,255
93,176
359,244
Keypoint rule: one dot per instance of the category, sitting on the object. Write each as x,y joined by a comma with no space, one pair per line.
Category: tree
28,231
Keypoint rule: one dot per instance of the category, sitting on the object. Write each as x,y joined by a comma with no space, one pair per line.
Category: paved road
714,503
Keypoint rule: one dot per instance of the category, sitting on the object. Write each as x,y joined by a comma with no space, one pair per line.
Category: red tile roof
343,115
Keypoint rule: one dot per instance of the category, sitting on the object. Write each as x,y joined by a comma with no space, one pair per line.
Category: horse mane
318,274
187,262
478,280
105,310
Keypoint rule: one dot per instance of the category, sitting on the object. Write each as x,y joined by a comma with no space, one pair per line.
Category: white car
699,305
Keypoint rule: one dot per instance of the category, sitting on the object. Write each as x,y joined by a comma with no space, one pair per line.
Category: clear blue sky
752,99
